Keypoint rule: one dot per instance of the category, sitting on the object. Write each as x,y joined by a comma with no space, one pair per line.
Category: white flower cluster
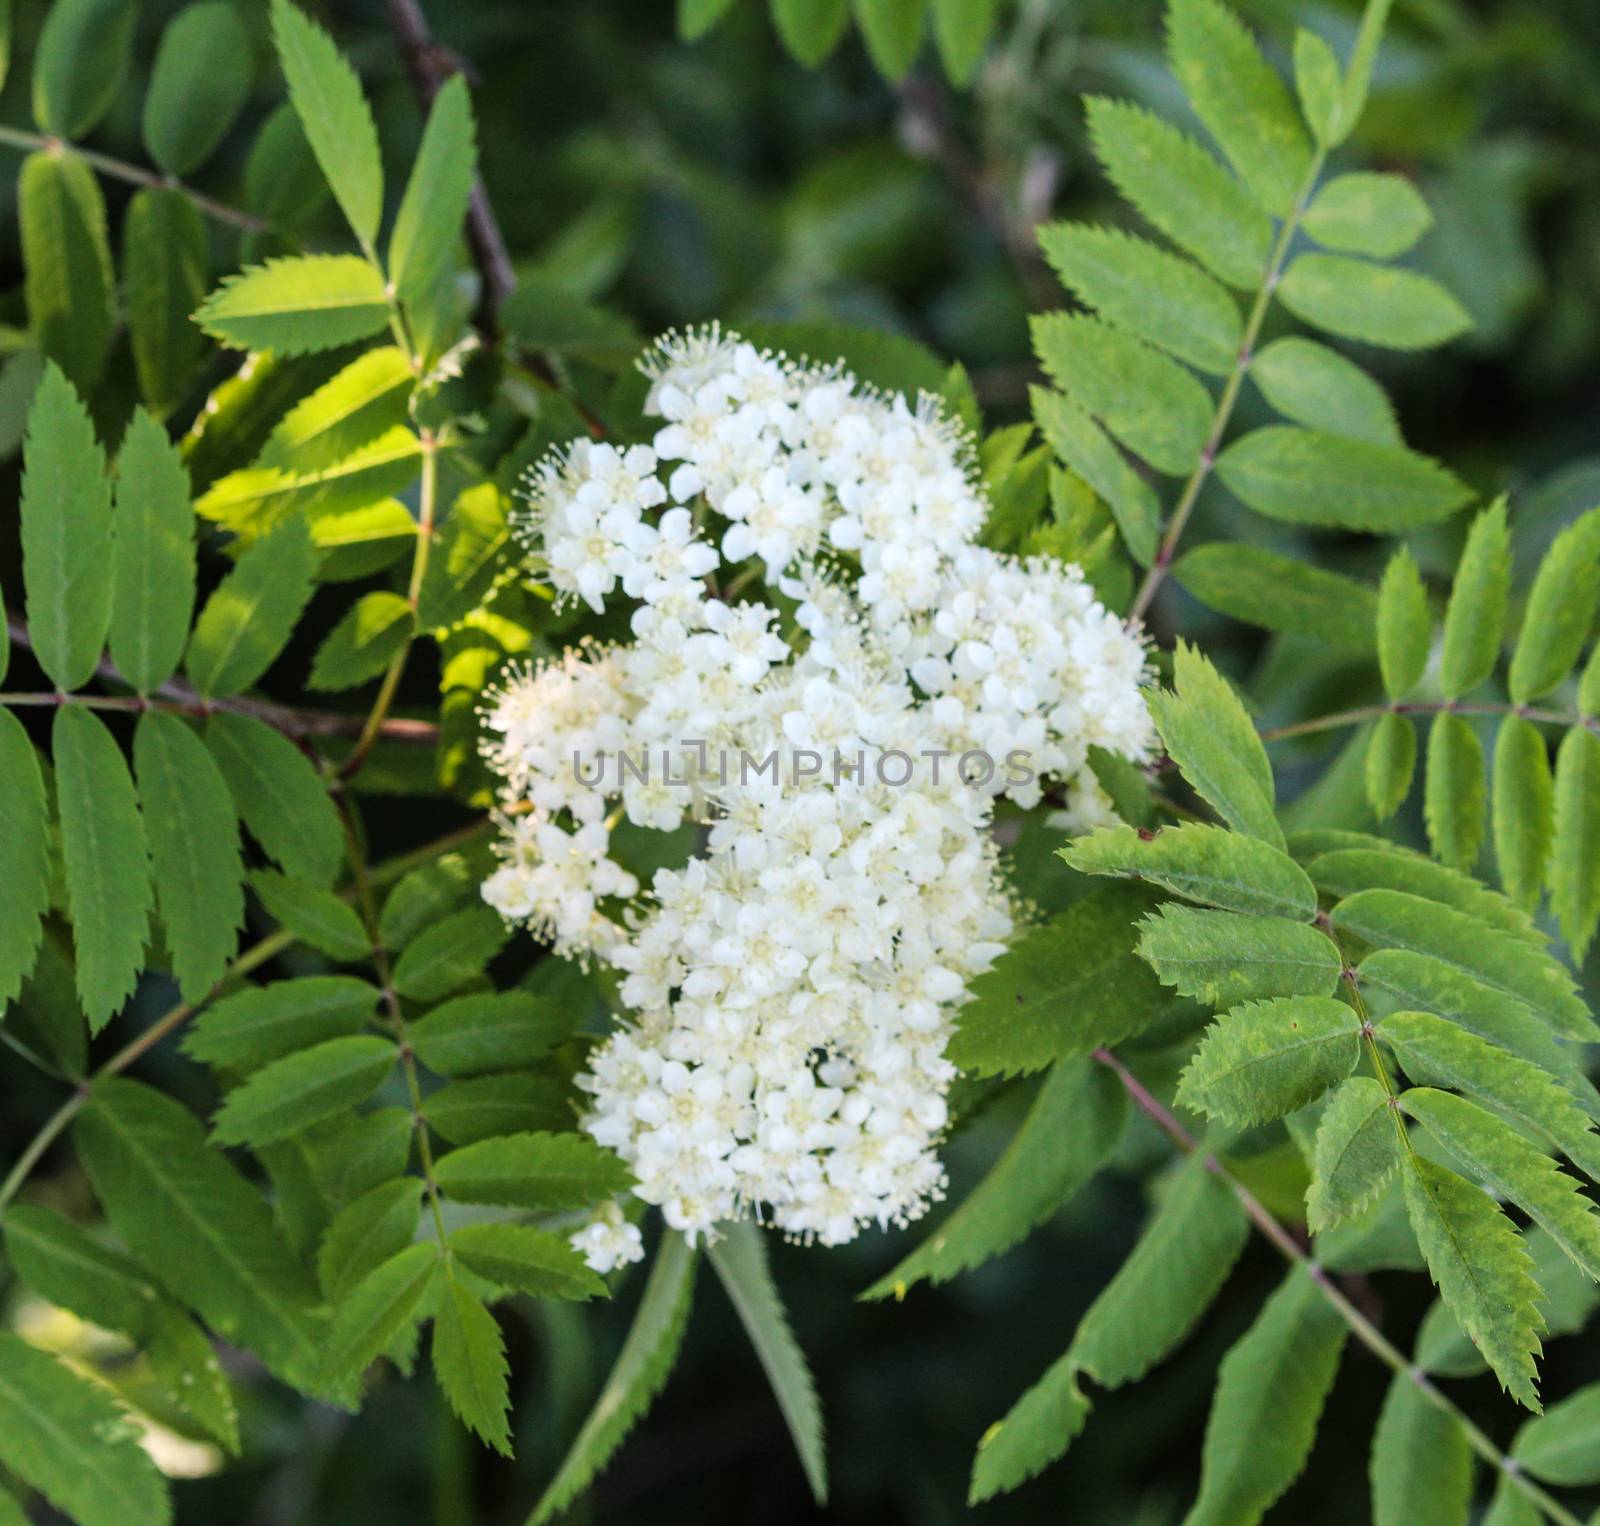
839,748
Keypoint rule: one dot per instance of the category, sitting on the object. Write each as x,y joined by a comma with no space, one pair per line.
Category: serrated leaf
194,849
196,1224
1181,190
378,1311
24,857
1562,1446
1241,100
1560,611
66,527
199,84
1266,1058
1575,855
483,1107
469,1360
1476,615
81,59
811,29
1060,990
535,1170
165,272
362,402
1220,957
1376,304
152,557
108,872
377,1225
46,1014
489,1032
1270,1391
1404,627
445,956
361,645
1366,213
423,896
1304,476
1393,919
298,305
68,1439
334,115
1202,863
1483,1272
1391,761
1312,385
1356,1153
189,1375
1455,790
739,1258
1317,83
641,1370
428,224
313,915
252,612
962,29
277,792
1159,296
1279,593
62,1263
524,1259
1524,809
1074,1123
1358,73
892,31
466,559
1421,1465
301,1089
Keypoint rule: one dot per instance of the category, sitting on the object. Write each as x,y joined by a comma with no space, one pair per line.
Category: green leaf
445,956
194,849
313,915
1499,1157
479,1033
1082,445
1279,593
1391,761
165,272
1392,919
1589,686
428,225
1306,477
1202,863
195,1222
1060,989
466,559
739,1259
513,1102
252,612
1455,790
1270,1391
301,1089
152,557
1365,213
334,115
24,857
198,86
277,792
66,528
1357,1150
1476,616
962,29
45,1014
81,59
299,305
1563,1446
1317,83
810,29
1181,190
376,627
1358,75
376,1226
1404,627
1312,385
67,276
1575,859
108,872
1267,1058
1524,809
1220,957
892,31
1159,296
1376,304
189,1376
423,896
363,402
469,1360
62,1263
1155,407
697,17
1560,611
1482,1271
1072,1127
641,1370
526,1260
1421,1463
380,1309
536,1170
68,1439
1240,98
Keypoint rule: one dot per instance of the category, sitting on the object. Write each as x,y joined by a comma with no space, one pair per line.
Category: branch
1336,719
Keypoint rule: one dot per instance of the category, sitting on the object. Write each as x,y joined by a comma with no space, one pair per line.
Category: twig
1336,719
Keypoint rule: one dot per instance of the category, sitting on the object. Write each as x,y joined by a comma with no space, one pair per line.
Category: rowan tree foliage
1247,1165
